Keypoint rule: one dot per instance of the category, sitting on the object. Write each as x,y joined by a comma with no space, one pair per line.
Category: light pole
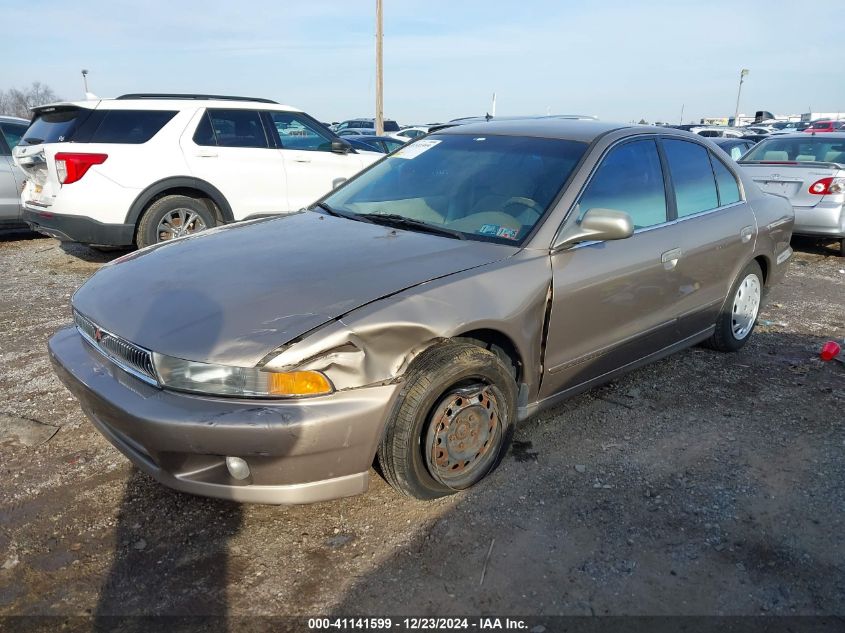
85,81
379,71
742,75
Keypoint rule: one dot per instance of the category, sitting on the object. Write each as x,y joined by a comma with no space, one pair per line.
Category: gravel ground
703,484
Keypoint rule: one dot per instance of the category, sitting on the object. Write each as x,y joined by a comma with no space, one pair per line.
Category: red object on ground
830,350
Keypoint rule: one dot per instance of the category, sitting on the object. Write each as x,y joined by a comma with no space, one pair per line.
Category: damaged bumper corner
298,451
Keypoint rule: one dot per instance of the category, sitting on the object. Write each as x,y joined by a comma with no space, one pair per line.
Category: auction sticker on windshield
415,149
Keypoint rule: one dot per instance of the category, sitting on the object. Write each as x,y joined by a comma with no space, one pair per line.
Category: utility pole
85,81
379,71
742,75
681,122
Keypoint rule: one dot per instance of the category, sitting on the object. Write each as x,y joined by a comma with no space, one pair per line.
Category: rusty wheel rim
464,433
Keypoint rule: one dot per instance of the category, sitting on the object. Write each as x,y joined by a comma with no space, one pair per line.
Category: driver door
614,301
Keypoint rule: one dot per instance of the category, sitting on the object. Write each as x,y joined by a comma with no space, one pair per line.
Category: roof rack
165,95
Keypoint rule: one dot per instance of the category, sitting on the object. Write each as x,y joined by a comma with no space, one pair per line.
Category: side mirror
339,146
597,224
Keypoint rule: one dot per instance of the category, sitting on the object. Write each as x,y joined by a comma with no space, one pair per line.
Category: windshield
809,150
53,126
493,188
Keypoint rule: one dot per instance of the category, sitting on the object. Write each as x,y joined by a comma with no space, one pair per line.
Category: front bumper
826,219
77,228
298,451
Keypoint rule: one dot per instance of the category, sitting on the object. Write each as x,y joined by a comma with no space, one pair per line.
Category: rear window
130,126
391,126
821,125
800,150
54,125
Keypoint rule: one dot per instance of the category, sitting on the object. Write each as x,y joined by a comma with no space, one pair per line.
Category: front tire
452,423
171,217
736,320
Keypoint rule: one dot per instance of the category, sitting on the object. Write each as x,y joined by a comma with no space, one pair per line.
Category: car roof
167,104
568,129
4,118
838,136
374,137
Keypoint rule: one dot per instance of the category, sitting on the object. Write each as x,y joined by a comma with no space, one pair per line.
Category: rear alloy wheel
738,316
452,423
171,217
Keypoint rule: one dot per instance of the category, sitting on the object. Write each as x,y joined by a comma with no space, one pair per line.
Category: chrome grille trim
130,357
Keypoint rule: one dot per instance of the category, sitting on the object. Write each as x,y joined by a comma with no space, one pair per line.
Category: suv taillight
72,166
827,185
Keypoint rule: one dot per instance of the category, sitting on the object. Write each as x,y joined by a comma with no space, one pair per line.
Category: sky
617,60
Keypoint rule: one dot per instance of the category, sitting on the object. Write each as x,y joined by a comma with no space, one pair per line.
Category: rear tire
736,320
452,423
842,247
173,216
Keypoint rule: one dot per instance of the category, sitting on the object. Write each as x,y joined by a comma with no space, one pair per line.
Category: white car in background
717,132
145,168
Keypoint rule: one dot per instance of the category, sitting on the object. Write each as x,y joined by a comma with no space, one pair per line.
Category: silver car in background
11,177
809,170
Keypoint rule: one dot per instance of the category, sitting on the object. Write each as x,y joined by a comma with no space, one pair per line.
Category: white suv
144,168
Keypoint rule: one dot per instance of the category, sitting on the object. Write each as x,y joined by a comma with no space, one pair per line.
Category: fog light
237,467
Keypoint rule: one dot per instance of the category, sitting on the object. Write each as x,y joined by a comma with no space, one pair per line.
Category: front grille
136,360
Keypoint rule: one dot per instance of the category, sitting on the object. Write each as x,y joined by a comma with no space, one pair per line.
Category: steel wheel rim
178,223
746,304
464,433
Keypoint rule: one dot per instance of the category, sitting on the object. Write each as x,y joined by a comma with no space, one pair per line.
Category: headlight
223,380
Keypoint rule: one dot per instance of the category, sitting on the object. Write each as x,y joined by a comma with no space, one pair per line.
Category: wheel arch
500,344
180,185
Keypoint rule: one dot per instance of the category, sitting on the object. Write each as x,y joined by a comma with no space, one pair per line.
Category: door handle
302,160
746,233
670,258
203,153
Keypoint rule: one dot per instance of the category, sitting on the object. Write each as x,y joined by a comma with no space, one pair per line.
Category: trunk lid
793,180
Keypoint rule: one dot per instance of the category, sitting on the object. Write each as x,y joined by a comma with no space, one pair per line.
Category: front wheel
736,320
452,423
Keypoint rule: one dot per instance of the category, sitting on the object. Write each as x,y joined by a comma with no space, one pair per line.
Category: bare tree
17,102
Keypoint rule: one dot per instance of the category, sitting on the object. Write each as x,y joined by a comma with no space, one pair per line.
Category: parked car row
11,177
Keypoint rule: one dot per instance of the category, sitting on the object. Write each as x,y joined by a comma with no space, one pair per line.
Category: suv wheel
452,423
173,216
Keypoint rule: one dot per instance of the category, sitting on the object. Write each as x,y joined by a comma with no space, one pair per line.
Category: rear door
306,149
615,302
716,231
230,149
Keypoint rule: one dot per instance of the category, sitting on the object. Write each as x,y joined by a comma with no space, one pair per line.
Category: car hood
233,295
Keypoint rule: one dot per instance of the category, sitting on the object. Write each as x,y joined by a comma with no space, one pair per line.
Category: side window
205,133
629,179
131,126
725,182
736,152
237,128
692,176
13,133
297,132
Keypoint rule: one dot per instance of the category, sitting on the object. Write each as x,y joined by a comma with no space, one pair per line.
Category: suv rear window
54,125
130,126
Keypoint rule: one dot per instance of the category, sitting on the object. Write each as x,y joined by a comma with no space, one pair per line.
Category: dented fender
377,342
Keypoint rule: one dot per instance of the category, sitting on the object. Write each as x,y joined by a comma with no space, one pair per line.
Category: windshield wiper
343,214
400,221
